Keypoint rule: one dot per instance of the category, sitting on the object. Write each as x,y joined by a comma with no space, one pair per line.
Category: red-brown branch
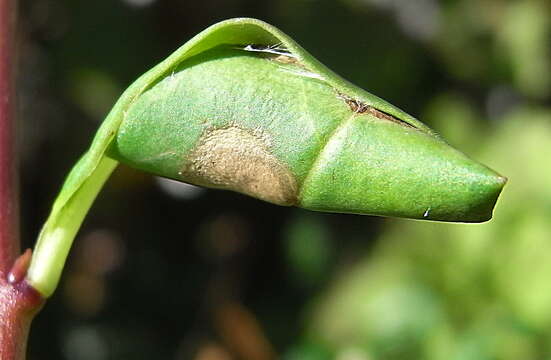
9,224
19,302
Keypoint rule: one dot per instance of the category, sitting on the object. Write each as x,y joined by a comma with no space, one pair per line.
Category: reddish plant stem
9,224
19,302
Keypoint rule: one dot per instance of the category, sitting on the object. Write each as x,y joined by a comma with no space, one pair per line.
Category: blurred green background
162,270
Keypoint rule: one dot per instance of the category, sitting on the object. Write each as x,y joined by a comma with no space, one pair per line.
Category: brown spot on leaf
360,107
285,59
356,106
236,159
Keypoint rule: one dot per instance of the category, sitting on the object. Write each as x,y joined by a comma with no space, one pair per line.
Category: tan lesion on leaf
236,159
286,59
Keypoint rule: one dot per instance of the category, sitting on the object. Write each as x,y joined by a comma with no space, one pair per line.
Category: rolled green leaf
242,107
255,113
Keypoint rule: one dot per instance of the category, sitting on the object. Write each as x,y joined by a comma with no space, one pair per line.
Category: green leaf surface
241,106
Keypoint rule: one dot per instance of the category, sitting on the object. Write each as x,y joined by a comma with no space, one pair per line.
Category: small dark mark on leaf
356,106
360,107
